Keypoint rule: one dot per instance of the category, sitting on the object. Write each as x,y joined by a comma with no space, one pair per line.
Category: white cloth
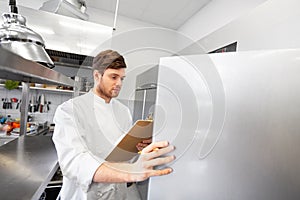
86,130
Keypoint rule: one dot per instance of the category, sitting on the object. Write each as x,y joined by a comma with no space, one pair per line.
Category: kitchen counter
27,164
41,130
5,139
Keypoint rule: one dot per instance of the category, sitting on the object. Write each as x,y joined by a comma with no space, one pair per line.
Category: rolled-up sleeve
76,161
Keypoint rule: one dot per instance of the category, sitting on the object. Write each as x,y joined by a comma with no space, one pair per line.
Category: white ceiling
166,13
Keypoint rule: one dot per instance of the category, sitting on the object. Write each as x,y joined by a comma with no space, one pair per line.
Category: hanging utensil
48,105
31,104
42,103
9,104
3,105
18,103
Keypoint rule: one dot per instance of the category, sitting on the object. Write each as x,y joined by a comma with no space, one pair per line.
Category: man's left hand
141,145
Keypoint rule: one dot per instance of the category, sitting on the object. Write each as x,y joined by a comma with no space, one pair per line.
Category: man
88,127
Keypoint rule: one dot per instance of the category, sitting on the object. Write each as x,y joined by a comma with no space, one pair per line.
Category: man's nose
119,82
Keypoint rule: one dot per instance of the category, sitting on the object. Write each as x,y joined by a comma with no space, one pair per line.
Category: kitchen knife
42,103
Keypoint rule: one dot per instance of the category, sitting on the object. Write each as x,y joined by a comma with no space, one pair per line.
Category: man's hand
142,169
150,157
141,145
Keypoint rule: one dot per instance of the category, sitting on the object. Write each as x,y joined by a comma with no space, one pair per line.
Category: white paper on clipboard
126,148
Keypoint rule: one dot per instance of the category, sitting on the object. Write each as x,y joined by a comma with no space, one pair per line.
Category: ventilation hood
71,8
66,59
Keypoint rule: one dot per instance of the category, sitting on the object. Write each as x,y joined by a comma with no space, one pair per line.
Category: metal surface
144,103
17,38
24,108
26,166
145,94
17,68
234,119
6,139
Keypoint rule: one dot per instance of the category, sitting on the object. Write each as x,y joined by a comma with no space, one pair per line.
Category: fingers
155,145
141,146
160,172
150,173
153,155
159,161
157,152
147,141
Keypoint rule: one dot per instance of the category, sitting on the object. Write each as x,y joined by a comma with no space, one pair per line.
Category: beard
104,92
115,92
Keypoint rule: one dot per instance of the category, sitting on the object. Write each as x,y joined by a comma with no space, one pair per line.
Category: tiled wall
55,98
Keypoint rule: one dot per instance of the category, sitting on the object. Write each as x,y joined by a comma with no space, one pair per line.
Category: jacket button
99,194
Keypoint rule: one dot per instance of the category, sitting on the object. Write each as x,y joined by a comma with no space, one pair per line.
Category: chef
88,127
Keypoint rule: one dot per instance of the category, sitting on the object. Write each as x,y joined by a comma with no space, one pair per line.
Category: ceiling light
95,28
86,46
71,8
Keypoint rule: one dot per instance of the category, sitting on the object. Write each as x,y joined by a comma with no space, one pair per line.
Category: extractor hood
19,39
71,8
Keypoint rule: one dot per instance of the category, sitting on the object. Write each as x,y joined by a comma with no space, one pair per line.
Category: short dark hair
108,59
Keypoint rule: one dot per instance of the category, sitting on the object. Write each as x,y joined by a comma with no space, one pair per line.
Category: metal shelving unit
16,68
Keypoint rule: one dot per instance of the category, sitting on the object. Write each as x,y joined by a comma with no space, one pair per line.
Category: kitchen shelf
45,89
50,90
16,68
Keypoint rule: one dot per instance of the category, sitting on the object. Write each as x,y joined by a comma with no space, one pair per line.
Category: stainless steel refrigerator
235,121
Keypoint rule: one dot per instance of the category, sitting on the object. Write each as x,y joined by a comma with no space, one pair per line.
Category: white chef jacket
86,130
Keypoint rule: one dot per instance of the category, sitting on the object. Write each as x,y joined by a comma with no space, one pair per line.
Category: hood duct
70,59
71,8
19,39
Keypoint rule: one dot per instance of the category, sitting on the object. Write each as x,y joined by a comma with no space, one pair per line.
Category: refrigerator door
234,119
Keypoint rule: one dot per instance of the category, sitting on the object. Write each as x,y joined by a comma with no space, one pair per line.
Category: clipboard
126,148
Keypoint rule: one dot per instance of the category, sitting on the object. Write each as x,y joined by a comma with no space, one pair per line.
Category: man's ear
96,75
